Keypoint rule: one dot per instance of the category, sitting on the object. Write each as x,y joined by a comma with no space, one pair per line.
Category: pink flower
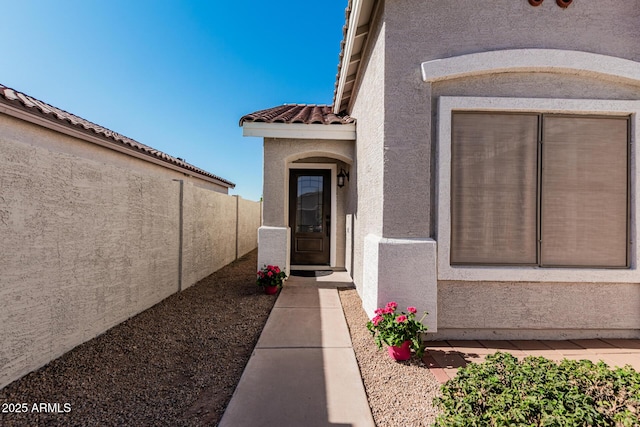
412,310
401,319
388,310
376,320
379,311
269,274
277,269
392,305
261,274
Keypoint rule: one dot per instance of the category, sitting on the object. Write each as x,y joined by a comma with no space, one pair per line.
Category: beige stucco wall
396,114
366,197
419,31
209,233
507,310
249,220
90,237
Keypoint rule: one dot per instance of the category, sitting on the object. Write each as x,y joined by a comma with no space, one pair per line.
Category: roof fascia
345,132
354,19
57,127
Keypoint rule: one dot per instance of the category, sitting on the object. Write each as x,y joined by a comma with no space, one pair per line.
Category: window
539,189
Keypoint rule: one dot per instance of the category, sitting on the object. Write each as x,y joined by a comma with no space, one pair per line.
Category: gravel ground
175,364
178,363
400,393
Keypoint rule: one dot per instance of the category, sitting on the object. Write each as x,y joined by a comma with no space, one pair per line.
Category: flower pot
270,290
402,352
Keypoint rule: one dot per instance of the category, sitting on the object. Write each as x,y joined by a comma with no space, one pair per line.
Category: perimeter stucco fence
88,240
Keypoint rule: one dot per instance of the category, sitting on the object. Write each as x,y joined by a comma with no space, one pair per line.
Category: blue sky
175,75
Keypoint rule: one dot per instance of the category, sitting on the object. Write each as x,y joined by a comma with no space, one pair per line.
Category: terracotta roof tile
298,113
34,106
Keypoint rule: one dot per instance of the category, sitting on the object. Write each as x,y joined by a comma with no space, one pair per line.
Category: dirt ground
175,364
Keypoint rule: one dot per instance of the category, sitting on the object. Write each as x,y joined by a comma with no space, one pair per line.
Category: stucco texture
366,197
90,237
396,113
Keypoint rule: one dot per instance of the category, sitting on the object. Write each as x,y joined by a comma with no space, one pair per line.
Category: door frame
333,170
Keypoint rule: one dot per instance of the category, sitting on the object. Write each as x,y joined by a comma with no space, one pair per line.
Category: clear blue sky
175,75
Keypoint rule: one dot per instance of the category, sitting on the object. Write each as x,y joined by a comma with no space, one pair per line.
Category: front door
310,216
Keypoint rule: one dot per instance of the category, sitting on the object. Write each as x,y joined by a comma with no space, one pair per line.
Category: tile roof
41,109
298,113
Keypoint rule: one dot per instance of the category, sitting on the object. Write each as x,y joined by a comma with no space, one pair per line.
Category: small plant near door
271,278
399,331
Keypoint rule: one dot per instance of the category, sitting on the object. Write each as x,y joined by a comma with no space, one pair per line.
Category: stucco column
404,271
274,246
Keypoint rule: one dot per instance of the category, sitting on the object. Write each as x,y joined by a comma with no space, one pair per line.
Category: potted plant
270,278
400,331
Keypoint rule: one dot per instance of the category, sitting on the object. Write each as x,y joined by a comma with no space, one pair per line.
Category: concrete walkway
303,371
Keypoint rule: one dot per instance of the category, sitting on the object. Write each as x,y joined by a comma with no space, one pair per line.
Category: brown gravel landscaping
178,363
400,393
175,364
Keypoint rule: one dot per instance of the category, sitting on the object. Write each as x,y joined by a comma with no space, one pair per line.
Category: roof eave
344,132
357,27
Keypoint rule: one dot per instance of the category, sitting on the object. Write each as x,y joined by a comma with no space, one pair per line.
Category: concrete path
303,371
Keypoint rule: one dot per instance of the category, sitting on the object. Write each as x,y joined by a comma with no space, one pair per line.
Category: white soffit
532,60
354,42
300,130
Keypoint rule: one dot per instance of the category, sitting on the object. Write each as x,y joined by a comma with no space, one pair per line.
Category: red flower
392,305
277,269
412,310
269,273
376,320
401,319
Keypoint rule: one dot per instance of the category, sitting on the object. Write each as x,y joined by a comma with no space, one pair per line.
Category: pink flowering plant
392,328
270,275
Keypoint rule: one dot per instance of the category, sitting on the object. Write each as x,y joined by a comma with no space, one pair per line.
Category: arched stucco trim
307,154
533,60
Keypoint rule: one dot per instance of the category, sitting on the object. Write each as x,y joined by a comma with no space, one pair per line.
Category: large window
539,189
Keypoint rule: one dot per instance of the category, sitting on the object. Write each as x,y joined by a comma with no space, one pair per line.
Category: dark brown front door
310,216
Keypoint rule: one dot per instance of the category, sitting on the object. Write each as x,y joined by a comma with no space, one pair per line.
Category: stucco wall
249,220
397,131
90,237
209,241
521,310
366,197
419,31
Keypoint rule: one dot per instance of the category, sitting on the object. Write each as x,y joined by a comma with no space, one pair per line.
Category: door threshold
311,267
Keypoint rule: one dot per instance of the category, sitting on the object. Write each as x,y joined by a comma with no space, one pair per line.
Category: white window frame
446,106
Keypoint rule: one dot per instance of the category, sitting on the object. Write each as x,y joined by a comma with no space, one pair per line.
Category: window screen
584,192
494,182
562,203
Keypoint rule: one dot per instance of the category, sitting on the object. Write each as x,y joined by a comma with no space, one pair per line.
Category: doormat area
311,273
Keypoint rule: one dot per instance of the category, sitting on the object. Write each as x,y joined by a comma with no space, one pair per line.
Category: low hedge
503,391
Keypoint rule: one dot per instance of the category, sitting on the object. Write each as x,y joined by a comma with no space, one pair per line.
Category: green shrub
539,392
